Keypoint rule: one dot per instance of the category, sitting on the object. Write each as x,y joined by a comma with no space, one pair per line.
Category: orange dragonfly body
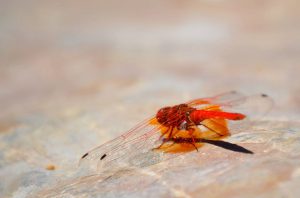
181,122
180,128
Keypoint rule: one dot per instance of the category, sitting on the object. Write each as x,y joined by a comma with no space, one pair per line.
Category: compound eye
162,114
163,110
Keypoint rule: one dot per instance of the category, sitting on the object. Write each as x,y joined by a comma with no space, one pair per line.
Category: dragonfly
178,129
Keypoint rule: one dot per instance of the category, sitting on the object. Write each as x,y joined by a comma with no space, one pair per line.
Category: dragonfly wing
132,154
218,99
135,148
92,157
254,107
132,149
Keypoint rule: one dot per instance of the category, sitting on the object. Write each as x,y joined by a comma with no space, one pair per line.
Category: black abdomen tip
264,95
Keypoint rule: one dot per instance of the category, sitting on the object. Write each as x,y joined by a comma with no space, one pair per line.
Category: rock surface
74,75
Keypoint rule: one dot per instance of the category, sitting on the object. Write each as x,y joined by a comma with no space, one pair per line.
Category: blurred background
74,74
182,49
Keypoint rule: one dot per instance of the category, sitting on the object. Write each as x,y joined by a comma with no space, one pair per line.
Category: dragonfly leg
170,133
209,128
191,131
164,133
193,143
163,142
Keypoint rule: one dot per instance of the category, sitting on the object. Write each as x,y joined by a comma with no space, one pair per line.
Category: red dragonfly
180,128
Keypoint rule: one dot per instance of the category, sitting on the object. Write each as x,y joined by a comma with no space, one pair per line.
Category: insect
180,128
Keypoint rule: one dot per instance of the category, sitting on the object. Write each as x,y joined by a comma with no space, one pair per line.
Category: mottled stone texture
74,74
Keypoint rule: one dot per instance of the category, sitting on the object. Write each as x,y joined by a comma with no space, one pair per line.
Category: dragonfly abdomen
198,116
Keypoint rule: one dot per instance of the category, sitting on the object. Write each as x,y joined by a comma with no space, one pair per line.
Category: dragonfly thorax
174,116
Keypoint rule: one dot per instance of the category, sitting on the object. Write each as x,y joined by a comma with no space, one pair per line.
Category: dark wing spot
103,156
264,95
84,155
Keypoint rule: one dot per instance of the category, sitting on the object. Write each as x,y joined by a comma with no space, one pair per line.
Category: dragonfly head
173,116
163,114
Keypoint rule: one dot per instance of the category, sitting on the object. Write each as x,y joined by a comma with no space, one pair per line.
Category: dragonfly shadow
228,146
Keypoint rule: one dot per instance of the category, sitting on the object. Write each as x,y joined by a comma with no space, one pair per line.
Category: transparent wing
254,107
120,145
221,99
135,153
233,101
131,150
135,147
